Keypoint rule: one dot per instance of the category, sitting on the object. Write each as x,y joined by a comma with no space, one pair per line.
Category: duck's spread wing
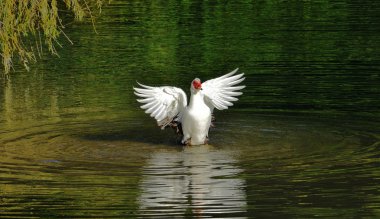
221,92
163,103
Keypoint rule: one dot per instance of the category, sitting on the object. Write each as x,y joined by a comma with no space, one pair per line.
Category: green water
302,142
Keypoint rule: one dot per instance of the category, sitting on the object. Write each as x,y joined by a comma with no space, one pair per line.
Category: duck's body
196,121
169,104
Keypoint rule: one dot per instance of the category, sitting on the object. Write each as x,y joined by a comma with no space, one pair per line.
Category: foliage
22,19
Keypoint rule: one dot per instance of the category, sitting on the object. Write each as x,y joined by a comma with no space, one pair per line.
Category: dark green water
302,142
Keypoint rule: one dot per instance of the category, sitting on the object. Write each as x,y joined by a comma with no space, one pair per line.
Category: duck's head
196,85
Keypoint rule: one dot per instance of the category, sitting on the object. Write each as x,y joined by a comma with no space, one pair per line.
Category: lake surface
302,142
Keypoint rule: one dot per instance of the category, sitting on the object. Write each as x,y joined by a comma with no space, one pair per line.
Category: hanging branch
19,19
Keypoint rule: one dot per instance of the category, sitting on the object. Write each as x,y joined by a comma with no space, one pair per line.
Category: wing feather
233,88
153,108
143,95
148,105
220,92
147,100
157,112
232,83
232,78
145,86
163,103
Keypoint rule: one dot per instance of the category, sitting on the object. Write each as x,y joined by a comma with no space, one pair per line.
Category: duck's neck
196,99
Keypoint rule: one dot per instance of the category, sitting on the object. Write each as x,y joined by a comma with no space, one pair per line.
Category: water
303,141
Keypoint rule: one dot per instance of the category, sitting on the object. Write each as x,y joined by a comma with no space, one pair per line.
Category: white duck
168,105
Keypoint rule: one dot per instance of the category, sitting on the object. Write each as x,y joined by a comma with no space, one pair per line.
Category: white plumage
168,104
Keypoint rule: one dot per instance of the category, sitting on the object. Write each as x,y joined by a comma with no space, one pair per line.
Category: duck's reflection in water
199,181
